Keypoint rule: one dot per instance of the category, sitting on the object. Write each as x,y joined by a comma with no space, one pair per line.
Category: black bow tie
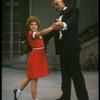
61,13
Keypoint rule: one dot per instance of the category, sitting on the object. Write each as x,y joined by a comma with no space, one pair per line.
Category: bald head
58,5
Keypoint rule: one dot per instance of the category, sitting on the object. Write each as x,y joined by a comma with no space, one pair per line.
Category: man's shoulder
71,10
74,9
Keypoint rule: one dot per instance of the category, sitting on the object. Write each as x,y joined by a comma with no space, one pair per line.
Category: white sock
18,93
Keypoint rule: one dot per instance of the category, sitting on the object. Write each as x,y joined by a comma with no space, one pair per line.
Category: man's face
58,5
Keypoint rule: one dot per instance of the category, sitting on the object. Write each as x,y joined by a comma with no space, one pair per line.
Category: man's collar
65,8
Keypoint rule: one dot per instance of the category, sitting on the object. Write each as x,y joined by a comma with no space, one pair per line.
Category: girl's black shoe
15,90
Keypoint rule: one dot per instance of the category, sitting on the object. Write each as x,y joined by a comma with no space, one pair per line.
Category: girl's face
33,26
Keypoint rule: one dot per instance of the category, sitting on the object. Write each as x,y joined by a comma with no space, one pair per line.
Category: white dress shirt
64,24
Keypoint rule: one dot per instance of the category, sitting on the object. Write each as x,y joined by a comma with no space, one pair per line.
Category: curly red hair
33,19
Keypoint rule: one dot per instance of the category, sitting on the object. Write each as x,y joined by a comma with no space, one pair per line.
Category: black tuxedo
70,39
68,48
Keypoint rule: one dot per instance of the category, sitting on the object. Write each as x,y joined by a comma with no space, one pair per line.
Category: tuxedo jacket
70,39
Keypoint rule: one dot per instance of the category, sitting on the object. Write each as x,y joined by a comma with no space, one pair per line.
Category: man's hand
58,25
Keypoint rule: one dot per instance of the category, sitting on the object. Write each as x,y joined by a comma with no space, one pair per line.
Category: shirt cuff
34,35
65,26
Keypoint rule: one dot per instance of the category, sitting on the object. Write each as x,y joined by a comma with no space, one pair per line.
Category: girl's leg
34,88
17,92
24,84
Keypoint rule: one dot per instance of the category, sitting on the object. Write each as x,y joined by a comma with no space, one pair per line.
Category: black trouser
70,69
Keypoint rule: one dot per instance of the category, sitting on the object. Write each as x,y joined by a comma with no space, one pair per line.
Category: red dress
37,61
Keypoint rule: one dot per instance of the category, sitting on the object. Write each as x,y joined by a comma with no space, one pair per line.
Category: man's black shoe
15,90
60,98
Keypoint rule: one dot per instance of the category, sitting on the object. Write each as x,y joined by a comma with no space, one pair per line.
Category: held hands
58,25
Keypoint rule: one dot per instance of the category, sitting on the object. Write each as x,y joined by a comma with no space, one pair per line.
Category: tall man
68,47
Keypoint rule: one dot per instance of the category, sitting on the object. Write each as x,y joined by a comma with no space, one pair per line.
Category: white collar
65,8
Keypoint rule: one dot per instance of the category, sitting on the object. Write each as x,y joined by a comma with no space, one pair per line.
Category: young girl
37,62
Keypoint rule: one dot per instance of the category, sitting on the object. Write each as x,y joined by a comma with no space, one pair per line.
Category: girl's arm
43,32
